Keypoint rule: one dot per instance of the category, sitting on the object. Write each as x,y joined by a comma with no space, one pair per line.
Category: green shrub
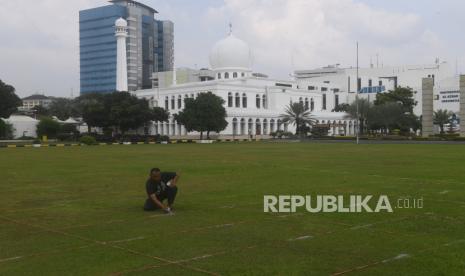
49,127
6,130
88,140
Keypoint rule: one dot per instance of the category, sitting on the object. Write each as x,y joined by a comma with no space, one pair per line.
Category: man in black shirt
161,186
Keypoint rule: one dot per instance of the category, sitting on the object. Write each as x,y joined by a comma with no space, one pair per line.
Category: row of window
260,102
226,75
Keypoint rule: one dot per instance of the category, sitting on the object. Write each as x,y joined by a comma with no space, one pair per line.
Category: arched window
279,124
265,126
179,102
306,104
257,102
172,102
272,125
235,75
238,100
234,123
301,101
264,101
258,127
249,130
167,103
226,75
244,100
230,99
219,75
242,126
312,104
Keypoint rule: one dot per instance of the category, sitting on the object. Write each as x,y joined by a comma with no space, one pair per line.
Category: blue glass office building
149,46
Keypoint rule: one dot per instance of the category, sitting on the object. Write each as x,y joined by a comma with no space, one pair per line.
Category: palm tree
442,117
297,115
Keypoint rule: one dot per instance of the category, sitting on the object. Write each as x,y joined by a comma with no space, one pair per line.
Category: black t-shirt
158,188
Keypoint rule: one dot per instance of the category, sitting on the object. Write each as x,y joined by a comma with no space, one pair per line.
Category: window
311,88
179,102
312,104
264,101
324,89
234,126
166,103
242,126
235,75
336,100
238,100
301,101
172,102
359,85
226,75
242,74
230,99
370,83
306,104
257,101
244,100
324,102
219,75
380,83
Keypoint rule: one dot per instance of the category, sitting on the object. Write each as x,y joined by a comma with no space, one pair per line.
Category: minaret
121,32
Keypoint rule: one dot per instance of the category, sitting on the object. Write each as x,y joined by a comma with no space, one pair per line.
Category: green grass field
78,210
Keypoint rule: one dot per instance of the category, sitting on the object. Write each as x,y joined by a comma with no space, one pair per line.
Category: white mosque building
253,102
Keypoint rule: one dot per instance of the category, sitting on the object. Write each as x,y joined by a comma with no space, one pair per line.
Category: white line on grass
301,238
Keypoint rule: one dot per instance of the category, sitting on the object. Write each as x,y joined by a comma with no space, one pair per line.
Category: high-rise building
149,46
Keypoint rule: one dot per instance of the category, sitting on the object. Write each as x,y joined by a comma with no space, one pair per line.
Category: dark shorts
169,193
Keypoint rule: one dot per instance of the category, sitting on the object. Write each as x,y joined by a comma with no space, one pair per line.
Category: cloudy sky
39,46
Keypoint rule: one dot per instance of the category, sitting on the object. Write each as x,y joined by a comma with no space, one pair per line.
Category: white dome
230,53
120,22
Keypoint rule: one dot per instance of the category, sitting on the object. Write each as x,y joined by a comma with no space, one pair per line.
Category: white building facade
253,104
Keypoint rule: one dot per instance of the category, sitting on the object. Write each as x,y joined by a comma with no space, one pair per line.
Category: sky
39,40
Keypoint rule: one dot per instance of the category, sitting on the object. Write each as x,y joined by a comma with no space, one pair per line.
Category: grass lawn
78,210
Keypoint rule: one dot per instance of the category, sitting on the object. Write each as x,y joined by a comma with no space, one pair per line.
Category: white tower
121,33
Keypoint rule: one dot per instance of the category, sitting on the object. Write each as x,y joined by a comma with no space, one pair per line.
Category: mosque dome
230,53
120,22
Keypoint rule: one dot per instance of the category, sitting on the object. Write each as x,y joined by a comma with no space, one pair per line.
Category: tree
343,107
205,113
297,115
401,95
63,108
126,111
92,108
159,114
9,101
6,130
40,111
384,117
49,127
364,107
441,118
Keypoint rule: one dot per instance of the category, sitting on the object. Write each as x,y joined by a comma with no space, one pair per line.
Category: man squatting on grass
161,186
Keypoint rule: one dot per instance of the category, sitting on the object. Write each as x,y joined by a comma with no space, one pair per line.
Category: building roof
134,2
37,97
20,118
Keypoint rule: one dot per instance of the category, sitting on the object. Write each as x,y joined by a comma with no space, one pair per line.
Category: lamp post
357,129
